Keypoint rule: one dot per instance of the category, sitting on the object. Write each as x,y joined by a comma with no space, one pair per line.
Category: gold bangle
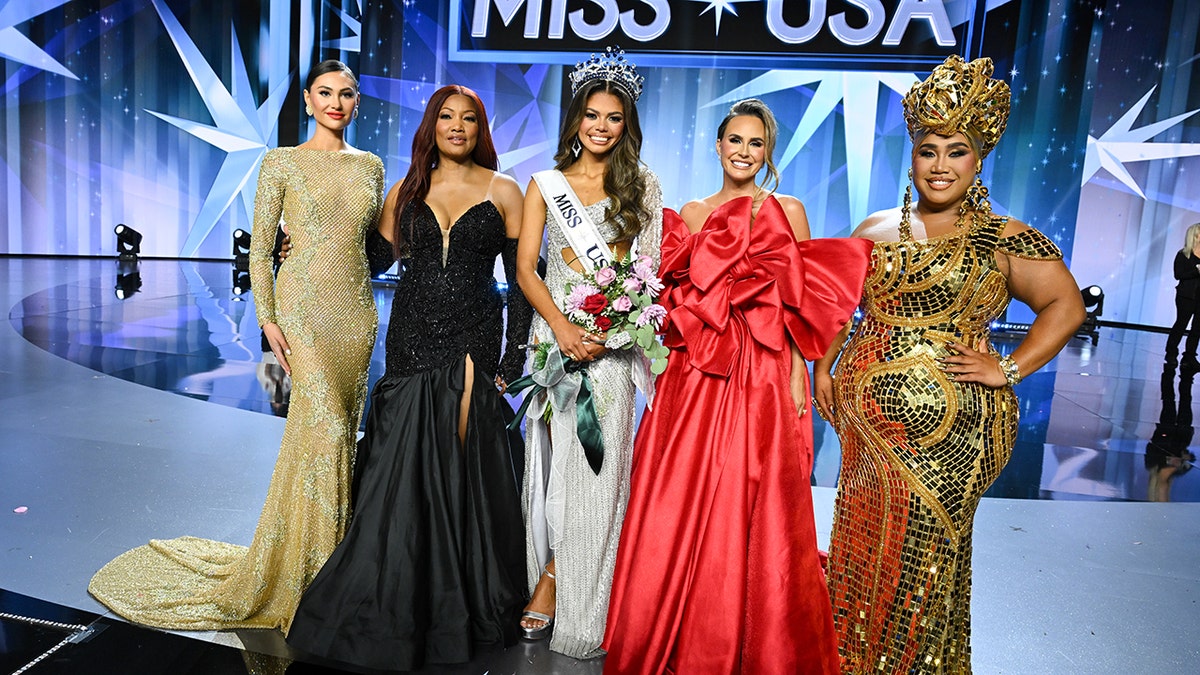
1012,372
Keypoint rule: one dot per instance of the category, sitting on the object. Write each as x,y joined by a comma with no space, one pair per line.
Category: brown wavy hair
623,182
425,159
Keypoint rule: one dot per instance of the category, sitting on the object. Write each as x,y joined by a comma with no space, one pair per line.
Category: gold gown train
322,301
918,450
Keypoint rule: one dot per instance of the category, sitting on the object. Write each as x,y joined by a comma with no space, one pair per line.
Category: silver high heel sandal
541,632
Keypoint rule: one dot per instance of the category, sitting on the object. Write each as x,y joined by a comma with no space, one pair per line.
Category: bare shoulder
880,226
695,212
505,186
791,206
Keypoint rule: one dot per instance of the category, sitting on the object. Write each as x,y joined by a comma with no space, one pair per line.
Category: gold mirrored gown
918,450
323,302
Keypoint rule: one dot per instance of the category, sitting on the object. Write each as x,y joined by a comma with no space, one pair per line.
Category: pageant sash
581,232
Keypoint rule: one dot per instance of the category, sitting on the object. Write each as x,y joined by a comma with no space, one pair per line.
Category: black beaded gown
433,563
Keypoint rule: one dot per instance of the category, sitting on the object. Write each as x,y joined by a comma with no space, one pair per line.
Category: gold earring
308,110
905,218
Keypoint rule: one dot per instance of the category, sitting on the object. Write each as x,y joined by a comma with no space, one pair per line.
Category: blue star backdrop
156,113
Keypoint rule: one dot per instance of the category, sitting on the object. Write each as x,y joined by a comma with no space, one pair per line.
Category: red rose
594,304
603,323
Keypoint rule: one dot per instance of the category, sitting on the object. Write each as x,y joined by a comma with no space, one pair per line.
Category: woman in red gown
717,570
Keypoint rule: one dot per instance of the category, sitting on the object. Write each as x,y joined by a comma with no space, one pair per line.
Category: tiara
611,66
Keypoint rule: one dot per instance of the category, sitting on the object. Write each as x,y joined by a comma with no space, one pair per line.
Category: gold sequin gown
322,301
918,450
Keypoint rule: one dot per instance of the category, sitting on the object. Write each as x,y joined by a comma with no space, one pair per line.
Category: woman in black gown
433,562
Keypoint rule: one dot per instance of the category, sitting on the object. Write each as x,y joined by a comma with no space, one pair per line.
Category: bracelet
1012,372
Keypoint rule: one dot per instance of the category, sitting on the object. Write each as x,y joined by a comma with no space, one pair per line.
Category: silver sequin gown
593,505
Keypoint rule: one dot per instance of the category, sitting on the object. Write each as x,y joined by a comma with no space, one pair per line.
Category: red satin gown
717,570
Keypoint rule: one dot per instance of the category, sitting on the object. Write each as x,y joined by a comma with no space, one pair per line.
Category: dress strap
1031,245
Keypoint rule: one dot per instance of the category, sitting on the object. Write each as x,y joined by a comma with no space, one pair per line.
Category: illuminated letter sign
901,35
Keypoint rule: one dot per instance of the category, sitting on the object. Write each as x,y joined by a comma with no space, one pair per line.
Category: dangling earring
977,199
576,148
355,115
308,110
905,218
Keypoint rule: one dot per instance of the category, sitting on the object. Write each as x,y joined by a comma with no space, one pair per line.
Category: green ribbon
552,379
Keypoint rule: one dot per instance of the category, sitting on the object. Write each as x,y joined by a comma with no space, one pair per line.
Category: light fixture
1093,303
129,242
241,249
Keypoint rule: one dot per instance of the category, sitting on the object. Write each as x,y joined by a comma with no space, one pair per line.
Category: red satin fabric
717,570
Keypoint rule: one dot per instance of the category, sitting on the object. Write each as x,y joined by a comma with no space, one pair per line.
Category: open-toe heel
542,631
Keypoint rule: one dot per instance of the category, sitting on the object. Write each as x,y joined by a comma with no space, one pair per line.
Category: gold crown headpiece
959,97
611,66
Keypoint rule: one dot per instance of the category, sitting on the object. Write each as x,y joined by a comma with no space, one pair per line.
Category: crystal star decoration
719,7
859,94
14,46
242,127
1122,143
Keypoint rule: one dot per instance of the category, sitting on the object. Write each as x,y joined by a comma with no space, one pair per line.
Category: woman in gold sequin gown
922,402
320,318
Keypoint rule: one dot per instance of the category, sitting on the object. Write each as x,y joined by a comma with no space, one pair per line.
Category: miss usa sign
841,34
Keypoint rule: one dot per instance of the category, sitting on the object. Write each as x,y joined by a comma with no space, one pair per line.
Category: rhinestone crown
611,66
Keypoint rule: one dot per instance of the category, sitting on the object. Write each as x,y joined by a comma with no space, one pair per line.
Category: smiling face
457,128
333,99
743,148
943,168
603,123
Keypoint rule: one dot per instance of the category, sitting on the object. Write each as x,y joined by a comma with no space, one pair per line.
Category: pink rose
632,285
605,276
622,304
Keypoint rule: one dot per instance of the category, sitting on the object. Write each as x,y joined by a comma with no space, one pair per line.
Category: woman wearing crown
922,402
599,204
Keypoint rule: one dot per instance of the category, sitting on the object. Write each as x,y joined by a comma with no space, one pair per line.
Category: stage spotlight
241,283
241,249
1093,302
129,242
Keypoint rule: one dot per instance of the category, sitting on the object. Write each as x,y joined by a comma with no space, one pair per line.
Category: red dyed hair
425,158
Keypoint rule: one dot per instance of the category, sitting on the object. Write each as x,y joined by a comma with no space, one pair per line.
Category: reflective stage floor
135,404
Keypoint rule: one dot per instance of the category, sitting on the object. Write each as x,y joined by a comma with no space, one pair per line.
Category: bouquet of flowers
618,300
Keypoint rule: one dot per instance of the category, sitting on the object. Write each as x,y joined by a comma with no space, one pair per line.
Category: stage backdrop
157,113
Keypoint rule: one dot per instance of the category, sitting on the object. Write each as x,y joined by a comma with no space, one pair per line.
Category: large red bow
735,280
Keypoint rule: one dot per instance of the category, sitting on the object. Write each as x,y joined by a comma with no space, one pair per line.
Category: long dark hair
329,66
623,182
425,159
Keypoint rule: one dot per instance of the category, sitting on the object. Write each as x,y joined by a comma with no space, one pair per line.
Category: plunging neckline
454,222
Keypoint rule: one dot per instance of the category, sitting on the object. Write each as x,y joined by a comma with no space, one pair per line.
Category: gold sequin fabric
322,301
918,450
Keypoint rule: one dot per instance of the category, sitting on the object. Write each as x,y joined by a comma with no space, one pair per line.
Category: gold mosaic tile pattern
918,450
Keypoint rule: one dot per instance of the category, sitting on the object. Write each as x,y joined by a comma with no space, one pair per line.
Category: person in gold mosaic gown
320,319
922,402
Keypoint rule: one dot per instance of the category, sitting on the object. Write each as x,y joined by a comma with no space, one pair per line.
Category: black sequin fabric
440,313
